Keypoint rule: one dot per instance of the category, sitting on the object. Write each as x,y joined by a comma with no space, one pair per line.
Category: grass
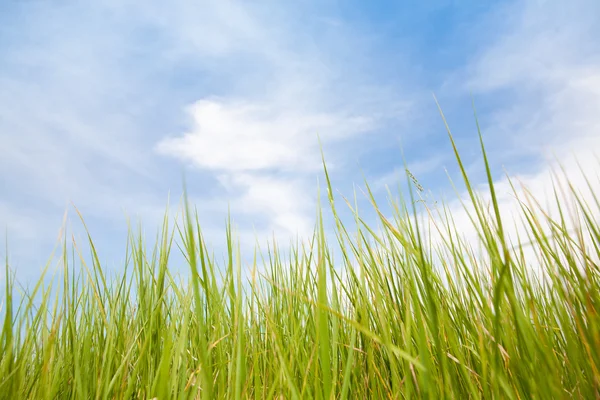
405,310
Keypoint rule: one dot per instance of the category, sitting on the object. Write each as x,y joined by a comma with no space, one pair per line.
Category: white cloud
542,59
90,91
537,42
251,145
263,140
287,203
246,136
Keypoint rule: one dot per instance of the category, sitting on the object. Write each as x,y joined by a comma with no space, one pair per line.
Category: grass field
396,310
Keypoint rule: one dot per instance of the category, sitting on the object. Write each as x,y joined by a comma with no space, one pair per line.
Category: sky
109,105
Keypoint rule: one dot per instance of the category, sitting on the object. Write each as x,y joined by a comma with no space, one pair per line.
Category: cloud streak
540,66
103,103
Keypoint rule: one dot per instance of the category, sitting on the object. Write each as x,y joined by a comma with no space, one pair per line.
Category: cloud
245,136
545,61
265,135
548,89
265,156
102,104
540,42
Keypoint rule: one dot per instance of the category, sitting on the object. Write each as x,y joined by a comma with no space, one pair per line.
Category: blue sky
107,104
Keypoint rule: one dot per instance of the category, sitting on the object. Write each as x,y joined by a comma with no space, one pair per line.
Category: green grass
397,310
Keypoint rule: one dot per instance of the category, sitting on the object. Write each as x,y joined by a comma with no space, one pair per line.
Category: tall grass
404,310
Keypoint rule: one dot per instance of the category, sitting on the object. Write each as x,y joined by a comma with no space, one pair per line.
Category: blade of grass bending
207,375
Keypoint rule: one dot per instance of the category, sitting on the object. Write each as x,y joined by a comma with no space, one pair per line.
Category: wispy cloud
266,131
101,104
104,103
538,65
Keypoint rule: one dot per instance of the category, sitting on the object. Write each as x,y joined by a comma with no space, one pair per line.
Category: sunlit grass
401,310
